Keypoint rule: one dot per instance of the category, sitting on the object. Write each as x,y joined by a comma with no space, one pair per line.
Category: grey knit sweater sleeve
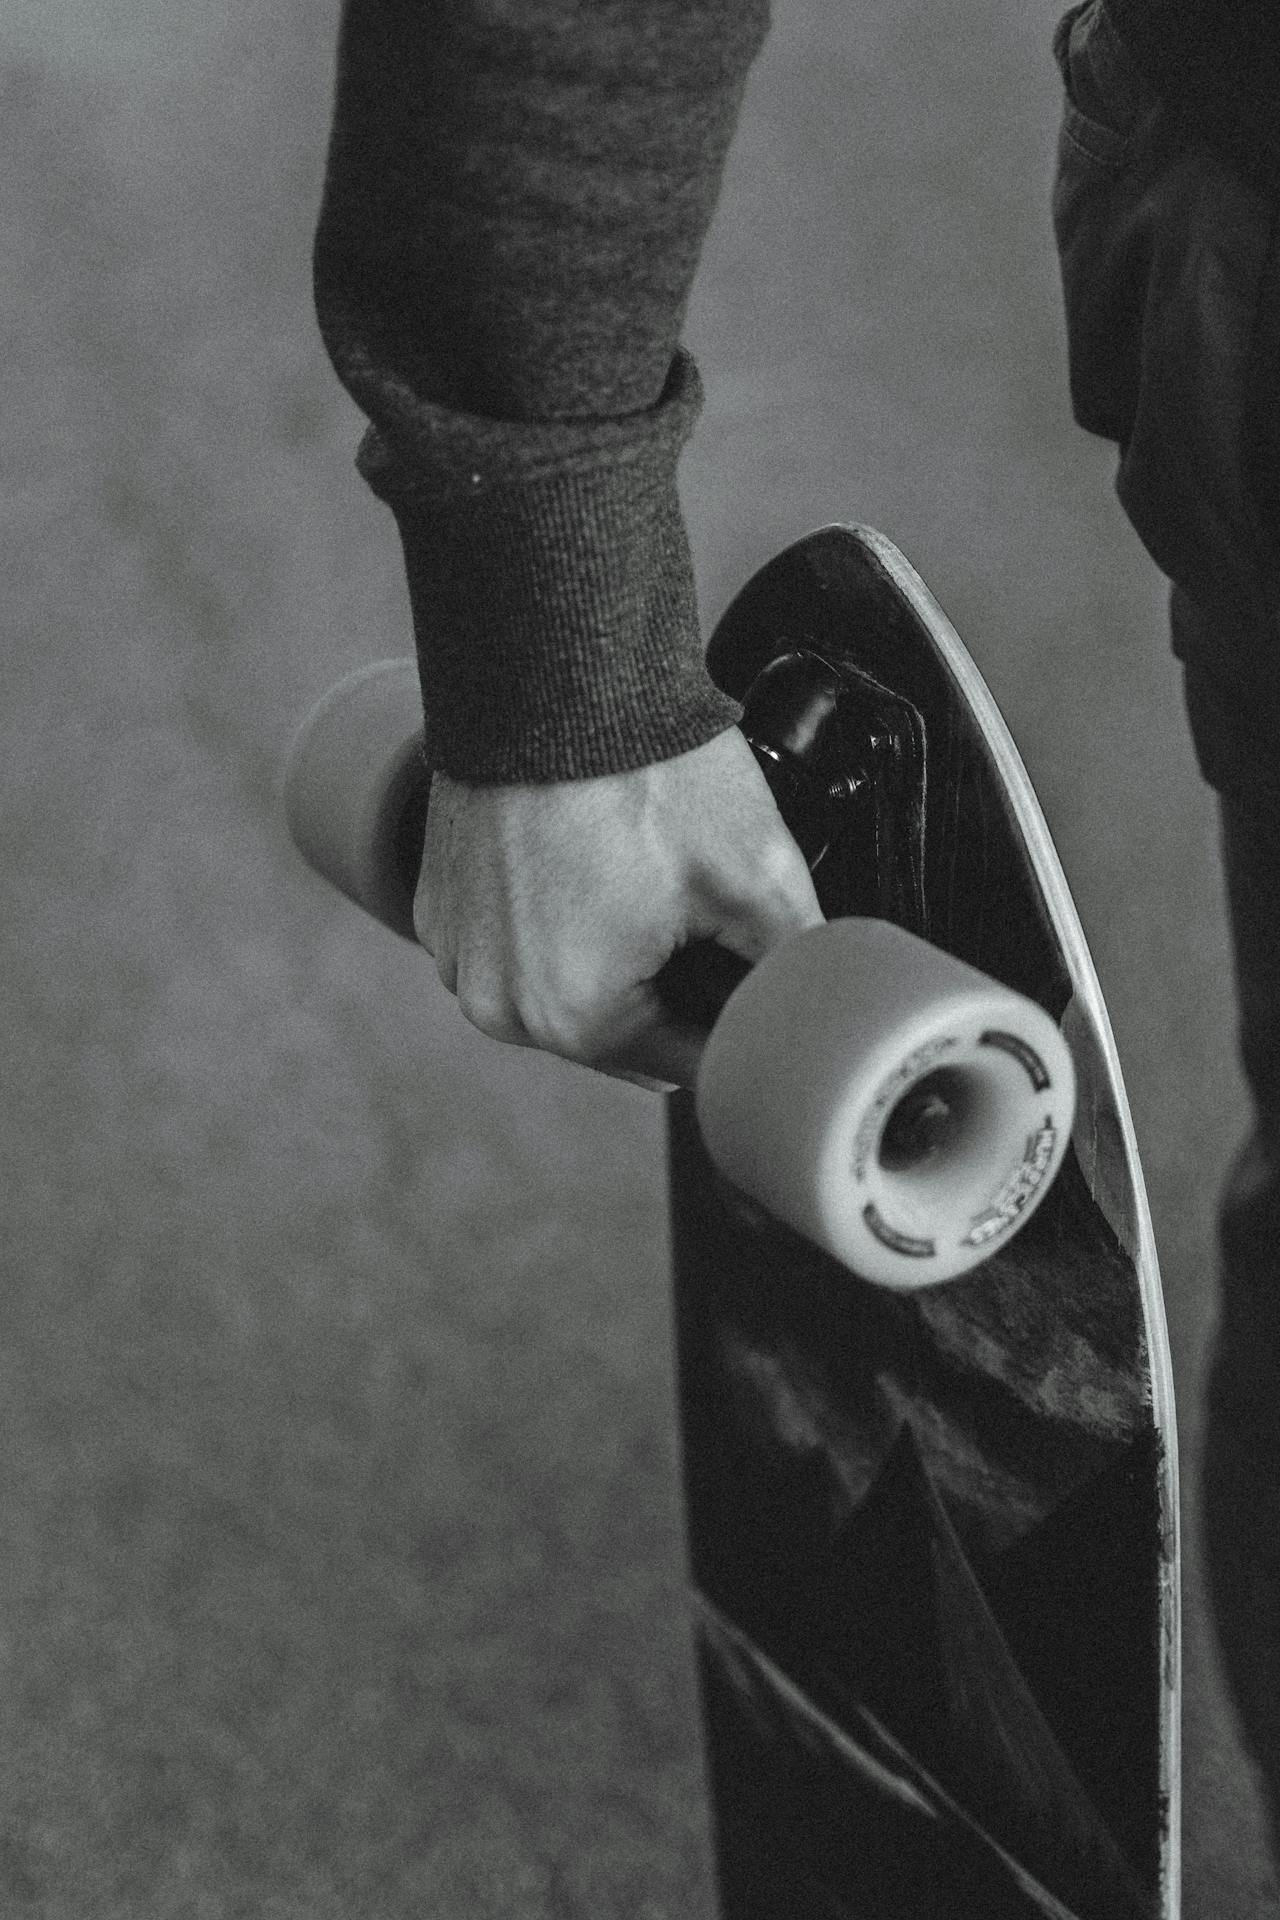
516,196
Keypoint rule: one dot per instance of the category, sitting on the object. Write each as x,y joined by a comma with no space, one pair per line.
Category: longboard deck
934,1538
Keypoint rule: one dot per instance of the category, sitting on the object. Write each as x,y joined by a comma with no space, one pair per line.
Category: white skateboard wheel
897,1107
353,766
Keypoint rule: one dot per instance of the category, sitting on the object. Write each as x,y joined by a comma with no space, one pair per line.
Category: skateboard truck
837,749
845,758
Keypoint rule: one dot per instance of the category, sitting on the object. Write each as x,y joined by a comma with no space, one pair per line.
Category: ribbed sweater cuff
552,589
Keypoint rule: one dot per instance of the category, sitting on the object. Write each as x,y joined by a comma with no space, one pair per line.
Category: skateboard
925,1394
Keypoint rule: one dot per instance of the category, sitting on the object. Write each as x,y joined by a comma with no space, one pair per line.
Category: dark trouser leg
1240,1484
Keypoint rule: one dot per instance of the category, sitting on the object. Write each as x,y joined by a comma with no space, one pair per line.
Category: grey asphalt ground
341,1568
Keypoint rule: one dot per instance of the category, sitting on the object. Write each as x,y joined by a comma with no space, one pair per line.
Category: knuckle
489,1010
556,1030
772,869
781,863
566,1020
786,891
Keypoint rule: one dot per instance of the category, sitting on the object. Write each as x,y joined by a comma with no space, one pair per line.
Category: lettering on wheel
1026,1056
890,1237
1019,1190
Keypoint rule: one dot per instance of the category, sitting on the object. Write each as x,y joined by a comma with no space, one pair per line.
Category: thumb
666,1055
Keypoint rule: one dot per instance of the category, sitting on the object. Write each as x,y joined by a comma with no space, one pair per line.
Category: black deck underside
925,1531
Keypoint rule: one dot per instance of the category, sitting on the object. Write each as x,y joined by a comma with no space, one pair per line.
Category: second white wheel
899,1108
353,770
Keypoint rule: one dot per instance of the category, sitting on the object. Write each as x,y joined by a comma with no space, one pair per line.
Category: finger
486,1005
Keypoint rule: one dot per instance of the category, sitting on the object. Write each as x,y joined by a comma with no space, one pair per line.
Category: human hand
550,909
